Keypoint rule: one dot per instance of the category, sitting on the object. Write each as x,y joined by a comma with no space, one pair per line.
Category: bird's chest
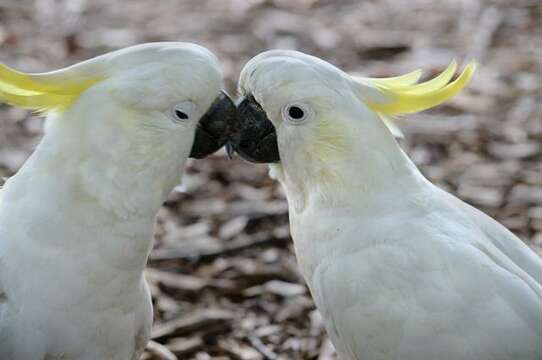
115,328
367,281
318,237
73,311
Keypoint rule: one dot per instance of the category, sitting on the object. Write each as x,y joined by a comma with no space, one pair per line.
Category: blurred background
223,276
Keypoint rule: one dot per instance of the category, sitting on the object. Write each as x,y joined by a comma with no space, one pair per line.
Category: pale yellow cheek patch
328,146
329,142
40,92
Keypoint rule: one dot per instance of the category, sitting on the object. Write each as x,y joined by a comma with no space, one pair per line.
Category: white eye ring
182,112
296,113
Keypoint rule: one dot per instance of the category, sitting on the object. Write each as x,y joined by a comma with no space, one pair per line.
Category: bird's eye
296,113
181,115
182,112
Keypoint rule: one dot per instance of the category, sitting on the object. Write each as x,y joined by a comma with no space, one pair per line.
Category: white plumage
76,221
398,268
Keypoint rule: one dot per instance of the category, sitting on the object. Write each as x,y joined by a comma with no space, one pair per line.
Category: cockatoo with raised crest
76,221
399,269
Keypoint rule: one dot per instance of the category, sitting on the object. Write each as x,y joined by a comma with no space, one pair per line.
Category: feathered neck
369,161
85,195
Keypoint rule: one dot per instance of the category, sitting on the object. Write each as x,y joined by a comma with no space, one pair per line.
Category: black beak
214,127
255,137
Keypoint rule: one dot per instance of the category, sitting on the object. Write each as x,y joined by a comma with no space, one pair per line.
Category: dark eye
181,114
296,112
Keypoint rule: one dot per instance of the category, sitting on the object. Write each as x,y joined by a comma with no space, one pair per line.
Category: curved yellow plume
402,80
34,92
406,96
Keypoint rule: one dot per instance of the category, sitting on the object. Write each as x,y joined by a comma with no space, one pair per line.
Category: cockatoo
76,221
399,269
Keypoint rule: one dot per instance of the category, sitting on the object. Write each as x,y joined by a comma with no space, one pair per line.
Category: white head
127,120
324,128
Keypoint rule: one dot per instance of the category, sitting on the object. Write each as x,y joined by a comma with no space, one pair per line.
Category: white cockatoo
400,269
76,221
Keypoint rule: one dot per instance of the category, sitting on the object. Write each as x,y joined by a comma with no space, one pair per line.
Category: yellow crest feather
402,80
406,96
34,92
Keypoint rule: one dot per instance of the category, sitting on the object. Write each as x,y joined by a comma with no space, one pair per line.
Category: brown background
224,278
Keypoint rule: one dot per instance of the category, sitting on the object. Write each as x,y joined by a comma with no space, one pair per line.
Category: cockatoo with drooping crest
76,221
400,269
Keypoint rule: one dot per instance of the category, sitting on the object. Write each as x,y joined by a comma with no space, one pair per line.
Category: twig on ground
161,351
257,240
490,21
264,350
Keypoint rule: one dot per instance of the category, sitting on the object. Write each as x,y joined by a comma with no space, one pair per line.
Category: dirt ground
223,274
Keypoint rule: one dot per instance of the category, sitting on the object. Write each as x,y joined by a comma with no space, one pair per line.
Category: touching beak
213,130
255,138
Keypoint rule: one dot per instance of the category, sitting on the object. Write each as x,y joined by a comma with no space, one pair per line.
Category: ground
223,275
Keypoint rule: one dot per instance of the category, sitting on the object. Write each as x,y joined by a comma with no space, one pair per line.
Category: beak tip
229,150
213,128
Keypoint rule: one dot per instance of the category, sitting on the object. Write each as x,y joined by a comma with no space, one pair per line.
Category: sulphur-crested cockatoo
400,269
76,221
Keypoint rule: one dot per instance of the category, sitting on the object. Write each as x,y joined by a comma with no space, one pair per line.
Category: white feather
399,269
76,221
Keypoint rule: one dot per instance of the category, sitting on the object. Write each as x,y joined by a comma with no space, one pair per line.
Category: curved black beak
255,138
214,127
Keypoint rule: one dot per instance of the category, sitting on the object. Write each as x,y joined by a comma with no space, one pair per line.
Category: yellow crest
404,95
41,92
